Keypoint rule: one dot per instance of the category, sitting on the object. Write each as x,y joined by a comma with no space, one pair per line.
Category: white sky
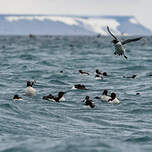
141,9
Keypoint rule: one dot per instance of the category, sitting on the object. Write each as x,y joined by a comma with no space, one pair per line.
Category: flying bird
119,49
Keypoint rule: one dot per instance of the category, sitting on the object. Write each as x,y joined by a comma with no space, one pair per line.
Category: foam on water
38,125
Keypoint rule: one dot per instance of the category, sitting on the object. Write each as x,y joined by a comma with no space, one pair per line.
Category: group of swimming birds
30,91
119,50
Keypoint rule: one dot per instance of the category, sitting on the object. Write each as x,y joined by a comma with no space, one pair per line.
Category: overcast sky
141,9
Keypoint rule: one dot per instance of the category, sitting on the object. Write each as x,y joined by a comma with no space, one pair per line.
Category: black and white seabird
89,102
83,72
98,77
30,91
133,76
105,96
119,49
105,74
58,98
79,86
17,97
113,99
98,72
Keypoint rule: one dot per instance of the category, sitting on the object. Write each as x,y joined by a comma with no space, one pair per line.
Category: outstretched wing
111,33
131,40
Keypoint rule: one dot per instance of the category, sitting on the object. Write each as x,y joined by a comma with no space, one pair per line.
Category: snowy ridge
96,25
70,25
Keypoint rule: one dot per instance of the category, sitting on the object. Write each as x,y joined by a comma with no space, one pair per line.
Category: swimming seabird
133,76
83,72
89,102
79,86
17,97
30,91
98,77
104,96
58,98
113,99
119,49
105,74
98,72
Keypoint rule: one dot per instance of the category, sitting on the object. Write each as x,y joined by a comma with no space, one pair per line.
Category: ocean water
38,125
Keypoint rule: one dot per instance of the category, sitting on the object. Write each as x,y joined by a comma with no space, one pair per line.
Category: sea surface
37,125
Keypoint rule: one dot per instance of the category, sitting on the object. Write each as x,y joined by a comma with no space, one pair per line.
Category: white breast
115,101
73,88
30,91
105,98
85,74
18,99
98,78
51,99
62,99
119,49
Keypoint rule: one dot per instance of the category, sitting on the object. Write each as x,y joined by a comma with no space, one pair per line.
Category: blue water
38,125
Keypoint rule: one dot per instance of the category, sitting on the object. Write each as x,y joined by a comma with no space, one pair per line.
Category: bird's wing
131,40
111,33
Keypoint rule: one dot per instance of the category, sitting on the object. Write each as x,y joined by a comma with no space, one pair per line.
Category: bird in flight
119,49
